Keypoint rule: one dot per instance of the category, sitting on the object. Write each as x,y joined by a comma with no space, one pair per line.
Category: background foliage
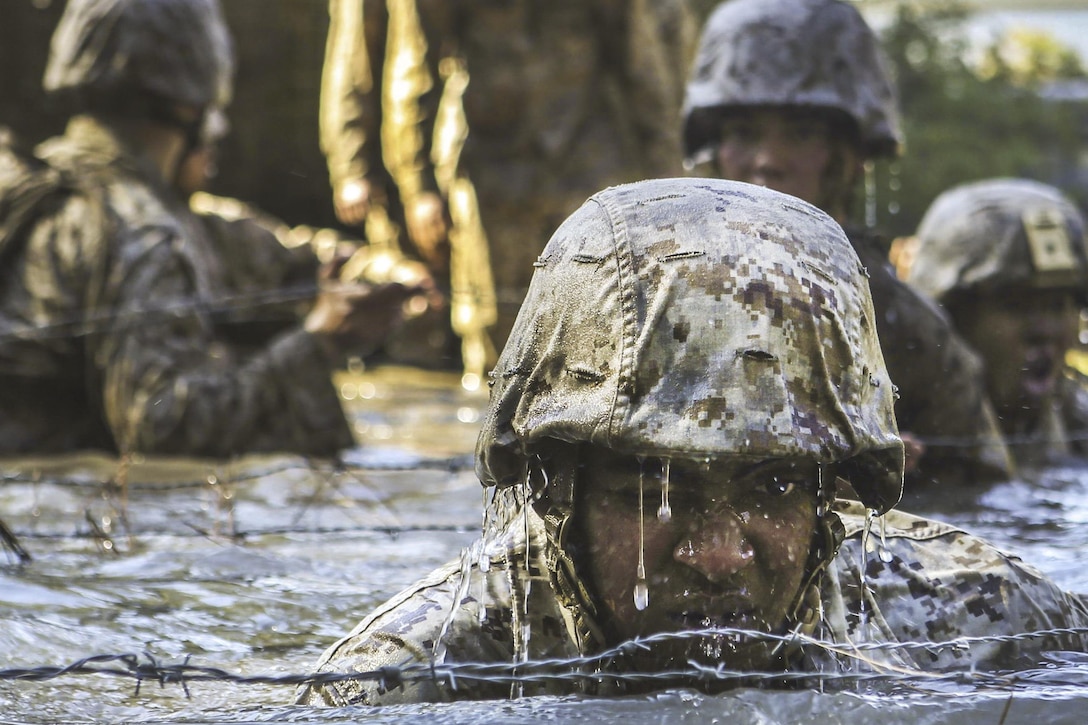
972,113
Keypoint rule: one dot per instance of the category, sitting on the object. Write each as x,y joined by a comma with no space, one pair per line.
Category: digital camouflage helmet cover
176,50
804,53
697,318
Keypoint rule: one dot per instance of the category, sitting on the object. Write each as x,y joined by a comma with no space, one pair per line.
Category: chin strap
575,600
805,614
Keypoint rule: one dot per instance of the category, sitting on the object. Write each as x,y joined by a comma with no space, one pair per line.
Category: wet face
1022,336
802,152
730,550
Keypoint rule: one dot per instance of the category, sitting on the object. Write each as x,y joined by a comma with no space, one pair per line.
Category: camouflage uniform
938,583
1011,234
797,54
942,395
109,337
112,295
688,318
560,103
269,267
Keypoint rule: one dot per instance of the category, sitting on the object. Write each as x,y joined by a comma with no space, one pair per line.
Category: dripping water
885,553
664,512
863,598
521,586
463,582
642,592
870,195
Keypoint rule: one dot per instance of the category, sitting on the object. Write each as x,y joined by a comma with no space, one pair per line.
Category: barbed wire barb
587,668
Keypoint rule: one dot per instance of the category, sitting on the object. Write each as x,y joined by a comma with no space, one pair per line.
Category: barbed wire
95,322
221,475
100,321
145,667
192,533
449,464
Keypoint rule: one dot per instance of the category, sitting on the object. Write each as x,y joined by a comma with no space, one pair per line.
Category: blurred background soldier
110,290
1006,258
515,112
794,95
693,369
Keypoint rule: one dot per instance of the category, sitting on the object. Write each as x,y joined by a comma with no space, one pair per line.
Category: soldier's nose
715,546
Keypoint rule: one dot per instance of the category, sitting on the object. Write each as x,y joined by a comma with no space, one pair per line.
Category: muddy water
255,567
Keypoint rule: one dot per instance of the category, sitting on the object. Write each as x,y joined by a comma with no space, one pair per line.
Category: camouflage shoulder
26,184
895,524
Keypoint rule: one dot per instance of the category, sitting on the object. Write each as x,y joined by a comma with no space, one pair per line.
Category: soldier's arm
403,631
350,104
150,356
420,35
169,387
933,582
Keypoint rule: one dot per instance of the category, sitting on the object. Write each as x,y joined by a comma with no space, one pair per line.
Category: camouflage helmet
814,53
697,318
177,50
999,233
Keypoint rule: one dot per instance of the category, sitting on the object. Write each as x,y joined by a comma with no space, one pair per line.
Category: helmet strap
558,510
804,612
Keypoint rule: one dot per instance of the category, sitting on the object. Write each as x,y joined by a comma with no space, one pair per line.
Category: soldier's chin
727,651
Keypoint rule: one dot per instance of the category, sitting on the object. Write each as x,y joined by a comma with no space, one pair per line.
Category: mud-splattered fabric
802,53
108,335
697,317
1000,233
923,581
692,318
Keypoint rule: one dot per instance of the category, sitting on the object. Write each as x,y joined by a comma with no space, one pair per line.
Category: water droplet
885,553
642,595
664,512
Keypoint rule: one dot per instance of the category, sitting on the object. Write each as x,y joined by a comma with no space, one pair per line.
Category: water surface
257,566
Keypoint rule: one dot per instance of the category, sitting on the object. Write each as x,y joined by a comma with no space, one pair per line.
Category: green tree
963,124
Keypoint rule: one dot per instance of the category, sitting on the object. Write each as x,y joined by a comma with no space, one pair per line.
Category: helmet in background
177,51
999,233
806,53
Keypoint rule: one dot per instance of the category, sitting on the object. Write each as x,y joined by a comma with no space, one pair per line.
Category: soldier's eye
779,486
